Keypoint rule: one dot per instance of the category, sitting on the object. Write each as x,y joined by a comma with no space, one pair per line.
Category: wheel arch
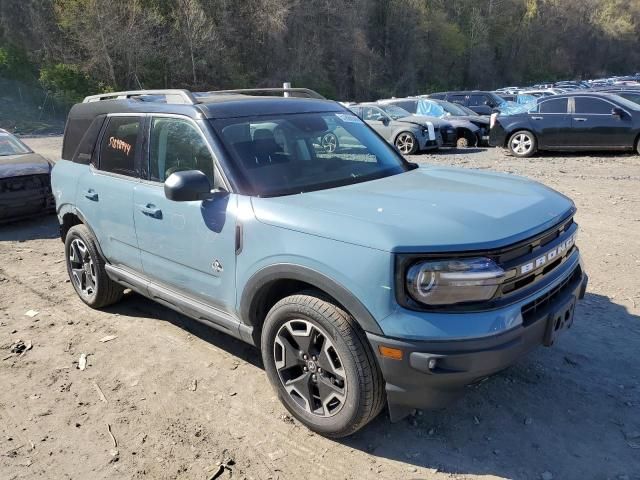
70,217
269,285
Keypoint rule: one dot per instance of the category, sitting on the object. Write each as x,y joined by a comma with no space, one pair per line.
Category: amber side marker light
388,352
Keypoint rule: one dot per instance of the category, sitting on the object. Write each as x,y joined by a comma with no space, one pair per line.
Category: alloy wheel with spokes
406,143
522,144
86,269
319,361
310,368
83,271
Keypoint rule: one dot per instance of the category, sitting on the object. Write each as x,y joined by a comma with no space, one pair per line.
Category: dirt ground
168,398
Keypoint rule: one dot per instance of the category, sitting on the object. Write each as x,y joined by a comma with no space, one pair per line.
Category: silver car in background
409,133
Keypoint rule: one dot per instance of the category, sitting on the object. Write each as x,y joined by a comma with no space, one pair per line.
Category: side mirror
187,186
384,120
617,112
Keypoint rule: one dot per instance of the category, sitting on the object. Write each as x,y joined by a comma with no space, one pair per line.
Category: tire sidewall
534,146
349,413
80,233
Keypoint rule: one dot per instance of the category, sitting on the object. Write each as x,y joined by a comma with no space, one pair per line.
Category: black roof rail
171,96
252,91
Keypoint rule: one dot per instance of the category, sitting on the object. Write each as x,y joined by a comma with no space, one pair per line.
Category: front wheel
407,143
321,365
522,144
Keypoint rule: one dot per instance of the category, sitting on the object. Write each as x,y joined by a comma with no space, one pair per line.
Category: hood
25,164
422,120
478,120
429,209
460,122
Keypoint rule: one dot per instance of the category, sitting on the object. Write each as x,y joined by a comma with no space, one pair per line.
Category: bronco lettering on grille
548,257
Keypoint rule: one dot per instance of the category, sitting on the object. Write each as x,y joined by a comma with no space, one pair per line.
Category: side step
181,303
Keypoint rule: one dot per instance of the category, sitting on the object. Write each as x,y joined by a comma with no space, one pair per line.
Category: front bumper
411,383
25,196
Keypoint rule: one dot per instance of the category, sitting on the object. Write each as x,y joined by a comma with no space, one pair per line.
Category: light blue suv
364,279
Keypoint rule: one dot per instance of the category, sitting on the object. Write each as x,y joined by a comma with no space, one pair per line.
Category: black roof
85,119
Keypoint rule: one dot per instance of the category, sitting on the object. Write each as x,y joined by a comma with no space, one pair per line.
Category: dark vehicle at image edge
25,181
569,122
364,279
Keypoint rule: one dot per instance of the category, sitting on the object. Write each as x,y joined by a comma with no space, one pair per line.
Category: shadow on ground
36,228
563,410
567,410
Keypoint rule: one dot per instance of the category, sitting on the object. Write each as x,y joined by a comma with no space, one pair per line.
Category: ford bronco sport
364,279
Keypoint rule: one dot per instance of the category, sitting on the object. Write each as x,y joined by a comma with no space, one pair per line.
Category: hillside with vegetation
52,52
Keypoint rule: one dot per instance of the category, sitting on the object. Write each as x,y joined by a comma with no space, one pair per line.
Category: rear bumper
413,383
497,135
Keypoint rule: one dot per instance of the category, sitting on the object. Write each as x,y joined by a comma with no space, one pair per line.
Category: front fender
290,271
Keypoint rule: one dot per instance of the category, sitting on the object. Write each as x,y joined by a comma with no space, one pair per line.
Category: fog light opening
433,363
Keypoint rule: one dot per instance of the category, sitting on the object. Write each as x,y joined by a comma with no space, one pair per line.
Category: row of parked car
568,116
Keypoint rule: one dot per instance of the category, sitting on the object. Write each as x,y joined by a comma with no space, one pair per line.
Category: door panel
105,193
551,123
594,126
189,246
106,202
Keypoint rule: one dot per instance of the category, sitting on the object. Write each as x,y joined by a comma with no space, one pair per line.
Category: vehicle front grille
531,309
26,182
529,262
25,195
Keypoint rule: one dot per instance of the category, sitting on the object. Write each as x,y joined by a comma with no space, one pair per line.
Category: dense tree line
347,49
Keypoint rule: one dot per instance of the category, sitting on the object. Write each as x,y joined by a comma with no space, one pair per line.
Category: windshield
394,111
455,109
295,153
10,145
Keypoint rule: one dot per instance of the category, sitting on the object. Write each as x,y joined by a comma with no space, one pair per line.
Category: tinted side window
558,105
177,145
461,99
118,147
478,100
372,113
592,105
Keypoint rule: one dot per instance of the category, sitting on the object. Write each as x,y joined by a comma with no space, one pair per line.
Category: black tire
522,144
638,145
90,281
362,384
402,143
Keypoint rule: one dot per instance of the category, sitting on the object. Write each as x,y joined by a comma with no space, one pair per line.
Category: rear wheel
638,145
407,143
86,269
321,365
522,144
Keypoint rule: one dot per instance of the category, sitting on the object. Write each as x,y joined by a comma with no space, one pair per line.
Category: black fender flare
72,210
288,271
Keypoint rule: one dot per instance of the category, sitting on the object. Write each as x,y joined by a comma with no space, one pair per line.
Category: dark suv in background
481,102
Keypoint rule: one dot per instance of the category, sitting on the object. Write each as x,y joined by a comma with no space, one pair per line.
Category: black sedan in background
570,122
25,180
